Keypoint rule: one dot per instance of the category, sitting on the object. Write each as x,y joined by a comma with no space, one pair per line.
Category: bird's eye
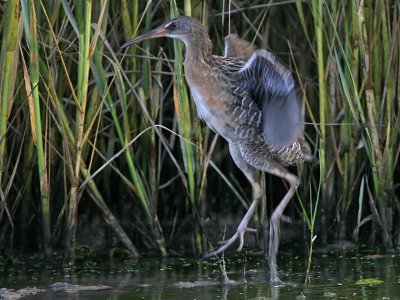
173,25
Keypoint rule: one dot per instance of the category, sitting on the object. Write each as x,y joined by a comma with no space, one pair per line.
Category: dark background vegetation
70,101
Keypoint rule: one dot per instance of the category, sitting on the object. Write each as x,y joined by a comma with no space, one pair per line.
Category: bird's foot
241,230
276,282
239,234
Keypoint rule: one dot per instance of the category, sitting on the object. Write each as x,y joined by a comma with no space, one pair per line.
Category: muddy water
360,273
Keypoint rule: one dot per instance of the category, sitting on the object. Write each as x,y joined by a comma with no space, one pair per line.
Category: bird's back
230,109
247,110
249,97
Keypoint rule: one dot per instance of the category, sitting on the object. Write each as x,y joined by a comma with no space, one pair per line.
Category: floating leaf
369,281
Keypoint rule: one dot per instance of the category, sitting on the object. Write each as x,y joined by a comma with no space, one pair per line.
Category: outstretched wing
236,47
272,87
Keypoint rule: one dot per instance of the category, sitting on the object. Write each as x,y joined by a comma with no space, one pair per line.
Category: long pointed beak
155,33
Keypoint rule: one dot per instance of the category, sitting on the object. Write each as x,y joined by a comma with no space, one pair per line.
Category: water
336,274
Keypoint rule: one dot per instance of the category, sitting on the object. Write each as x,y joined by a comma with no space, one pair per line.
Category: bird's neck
198,49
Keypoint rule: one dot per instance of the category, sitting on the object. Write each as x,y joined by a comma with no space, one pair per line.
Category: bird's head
182,28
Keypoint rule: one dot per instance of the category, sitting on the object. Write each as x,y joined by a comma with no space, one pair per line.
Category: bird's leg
252,175
274,230
262,162
242,228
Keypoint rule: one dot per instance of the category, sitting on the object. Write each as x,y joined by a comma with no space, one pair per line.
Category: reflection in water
335,274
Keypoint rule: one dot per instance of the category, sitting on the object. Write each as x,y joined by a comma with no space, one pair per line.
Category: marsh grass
71,104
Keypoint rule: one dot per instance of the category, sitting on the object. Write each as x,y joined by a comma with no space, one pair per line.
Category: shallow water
335,274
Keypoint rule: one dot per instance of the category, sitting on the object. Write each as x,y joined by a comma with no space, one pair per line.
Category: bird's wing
272,87
236,47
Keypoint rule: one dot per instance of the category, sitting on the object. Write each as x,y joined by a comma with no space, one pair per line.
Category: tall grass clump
103,148
360,42
8,60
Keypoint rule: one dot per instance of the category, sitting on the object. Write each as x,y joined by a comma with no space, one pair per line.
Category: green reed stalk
389,49
386,115
84,18
34,78
124,138
187,7
310,219
373,147
316,7
148,162
346,133
124,135
145,188
317,12
68,136
8,63
183,113
130,23
361,86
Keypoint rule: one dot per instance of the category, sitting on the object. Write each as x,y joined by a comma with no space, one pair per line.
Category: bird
250,99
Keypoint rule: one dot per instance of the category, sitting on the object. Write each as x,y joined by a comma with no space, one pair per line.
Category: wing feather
272,86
